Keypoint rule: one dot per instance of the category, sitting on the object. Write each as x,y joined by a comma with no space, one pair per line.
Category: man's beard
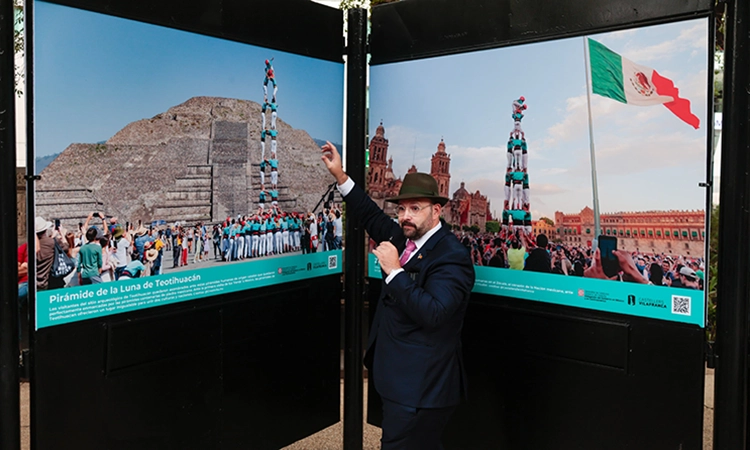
411,231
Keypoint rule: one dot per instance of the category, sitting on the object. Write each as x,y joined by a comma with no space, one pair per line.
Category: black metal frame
733,291
354,256
10,418
709,184
414,29
30,200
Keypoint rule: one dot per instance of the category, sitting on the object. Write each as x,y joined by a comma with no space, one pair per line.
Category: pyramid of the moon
198,161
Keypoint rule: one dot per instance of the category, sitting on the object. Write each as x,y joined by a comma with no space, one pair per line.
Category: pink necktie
410,247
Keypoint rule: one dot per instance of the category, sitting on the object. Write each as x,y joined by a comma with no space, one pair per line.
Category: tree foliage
492,226
349,4
720,24
18,44
713,274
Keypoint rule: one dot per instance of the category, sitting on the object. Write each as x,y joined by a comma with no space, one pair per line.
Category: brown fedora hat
419,185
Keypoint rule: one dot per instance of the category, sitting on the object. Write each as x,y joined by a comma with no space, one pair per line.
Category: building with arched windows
676,232
544,226
441,169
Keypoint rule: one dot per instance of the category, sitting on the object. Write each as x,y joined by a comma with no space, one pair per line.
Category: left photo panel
175,166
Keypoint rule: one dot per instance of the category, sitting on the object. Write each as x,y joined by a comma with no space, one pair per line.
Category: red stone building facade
675,232
468,209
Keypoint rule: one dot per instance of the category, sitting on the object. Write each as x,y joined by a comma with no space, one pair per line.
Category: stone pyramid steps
190,200
69,205
193,183
197,153
193,195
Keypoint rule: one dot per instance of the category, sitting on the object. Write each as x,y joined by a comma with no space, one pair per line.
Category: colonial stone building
542,227
381,181
376,181
441,169
675,232
468,209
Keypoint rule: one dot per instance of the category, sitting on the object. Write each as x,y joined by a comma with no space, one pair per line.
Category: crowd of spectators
103,249
520,251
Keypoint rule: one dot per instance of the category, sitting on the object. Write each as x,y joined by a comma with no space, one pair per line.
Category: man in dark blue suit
414,349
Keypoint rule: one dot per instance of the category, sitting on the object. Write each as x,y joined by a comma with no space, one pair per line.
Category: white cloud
473,161
645,155
544,189
622,34
537,214
553,171
574,126
695,37
694,88
574,123
618,154
538,155
476,152
627,136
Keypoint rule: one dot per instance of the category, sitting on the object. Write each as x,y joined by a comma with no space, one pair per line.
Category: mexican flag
625,81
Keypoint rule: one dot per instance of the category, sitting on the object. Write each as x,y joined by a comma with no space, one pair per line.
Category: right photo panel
572,166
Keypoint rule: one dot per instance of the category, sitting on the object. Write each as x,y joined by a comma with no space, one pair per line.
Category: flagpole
594,183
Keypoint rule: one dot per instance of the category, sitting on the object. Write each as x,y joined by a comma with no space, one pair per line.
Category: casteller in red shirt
23,257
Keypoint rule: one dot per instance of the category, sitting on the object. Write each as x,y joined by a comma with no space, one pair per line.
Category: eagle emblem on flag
640,83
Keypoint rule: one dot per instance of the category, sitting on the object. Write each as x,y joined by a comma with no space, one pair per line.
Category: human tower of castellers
269,231
516,215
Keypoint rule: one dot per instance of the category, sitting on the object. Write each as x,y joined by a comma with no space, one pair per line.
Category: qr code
680,305
333,261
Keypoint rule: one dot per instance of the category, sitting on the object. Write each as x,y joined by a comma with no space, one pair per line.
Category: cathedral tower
376,179
441,169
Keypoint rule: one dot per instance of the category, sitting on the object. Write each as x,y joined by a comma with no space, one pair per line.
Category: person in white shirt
122,249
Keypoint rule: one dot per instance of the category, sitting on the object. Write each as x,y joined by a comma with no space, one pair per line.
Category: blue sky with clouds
647,158
95,74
